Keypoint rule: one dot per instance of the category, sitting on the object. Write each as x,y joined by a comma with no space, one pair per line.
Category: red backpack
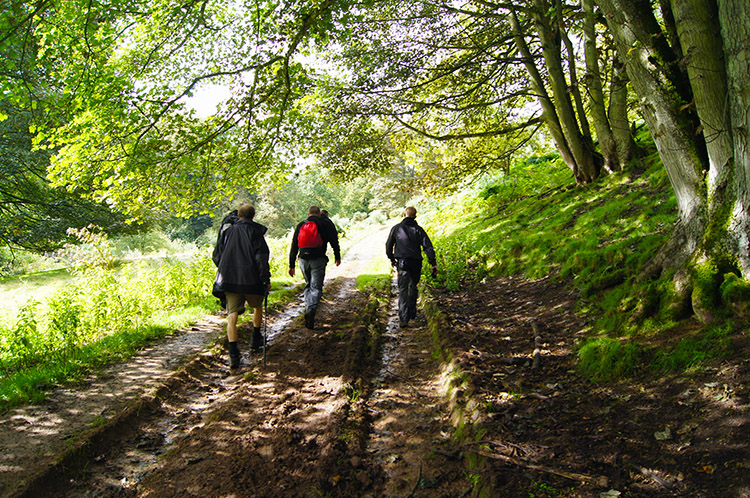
309,236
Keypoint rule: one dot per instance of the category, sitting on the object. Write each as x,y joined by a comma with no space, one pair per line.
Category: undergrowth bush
105,314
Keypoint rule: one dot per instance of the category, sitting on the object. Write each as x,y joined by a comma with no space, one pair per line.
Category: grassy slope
599,236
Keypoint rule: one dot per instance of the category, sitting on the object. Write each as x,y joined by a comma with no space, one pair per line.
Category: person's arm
429,250
333,238
390,243
294,250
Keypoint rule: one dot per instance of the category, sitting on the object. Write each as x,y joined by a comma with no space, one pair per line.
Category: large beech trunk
734,20
708,164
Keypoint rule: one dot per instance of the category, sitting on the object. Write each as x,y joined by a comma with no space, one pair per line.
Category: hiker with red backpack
310,241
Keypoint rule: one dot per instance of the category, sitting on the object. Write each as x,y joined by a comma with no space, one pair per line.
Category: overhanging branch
481,134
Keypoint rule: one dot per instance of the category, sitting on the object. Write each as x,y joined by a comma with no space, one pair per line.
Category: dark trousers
409,273
314,271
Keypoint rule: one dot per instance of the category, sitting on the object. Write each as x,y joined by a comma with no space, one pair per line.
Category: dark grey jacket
241,256
406,241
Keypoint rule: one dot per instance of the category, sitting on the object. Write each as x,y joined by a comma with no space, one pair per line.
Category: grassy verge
376,277
100,317
464,408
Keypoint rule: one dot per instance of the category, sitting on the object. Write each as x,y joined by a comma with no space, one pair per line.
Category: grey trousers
407,294
314,271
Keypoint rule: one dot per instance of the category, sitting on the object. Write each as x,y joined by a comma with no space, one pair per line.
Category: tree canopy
358,84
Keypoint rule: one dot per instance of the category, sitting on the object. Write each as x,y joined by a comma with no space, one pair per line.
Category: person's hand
268,288
291,272
434,271
338,262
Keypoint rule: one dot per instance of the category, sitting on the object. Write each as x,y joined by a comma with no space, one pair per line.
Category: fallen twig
504,458
537,355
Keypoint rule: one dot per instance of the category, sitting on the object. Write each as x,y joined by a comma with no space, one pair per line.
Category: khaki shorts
236,302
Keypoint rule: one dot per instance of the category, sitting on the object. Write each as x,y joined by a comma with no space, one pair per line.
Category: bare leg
232,327
257,317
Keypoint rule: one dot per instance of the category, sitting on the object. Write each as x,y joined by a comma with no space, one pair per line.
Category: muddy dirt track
358,407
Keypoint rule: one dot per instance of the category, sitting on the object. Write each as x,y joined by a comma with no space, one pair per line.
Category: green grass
30,384
15,291
598,235
380,282
694,350
99,317
376,276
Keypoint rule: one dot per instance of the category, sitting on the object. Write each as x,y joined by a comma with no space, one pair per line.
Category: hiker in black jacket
243,275
310,240
404,249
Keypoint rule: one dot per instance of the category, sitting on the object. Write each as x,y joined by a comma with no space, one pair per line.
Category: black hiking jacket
328,233
406,241
241,256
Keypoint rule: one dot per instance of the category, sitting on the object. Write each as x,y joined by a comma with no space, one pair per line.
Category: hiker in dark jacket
310,240
404,249
243,275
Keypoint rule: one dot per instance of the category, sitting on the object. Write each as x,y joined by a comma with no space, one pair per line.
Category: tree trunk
549,114
734,18
575,87
708,165
660,106
618,113
697,25
607,145
587,169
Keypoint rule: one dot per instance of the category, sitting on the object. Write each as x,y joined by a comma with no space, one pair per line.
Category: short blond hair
411,212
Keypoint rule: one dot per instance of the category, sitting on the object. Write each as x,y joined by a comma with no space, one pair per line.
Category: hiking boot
234,356
403,323
310,320
256,341
234,361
